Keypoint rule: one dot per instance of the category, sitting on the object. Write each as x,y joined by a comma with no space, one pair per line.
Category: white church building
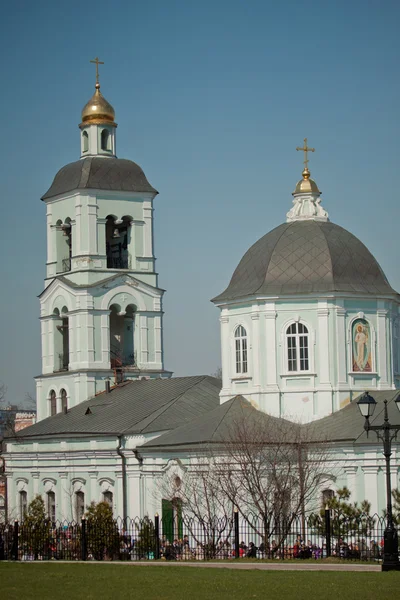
308,322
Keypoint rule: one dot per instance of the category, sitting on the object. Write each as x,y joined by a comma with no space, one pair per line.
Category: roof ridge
232,400
284,229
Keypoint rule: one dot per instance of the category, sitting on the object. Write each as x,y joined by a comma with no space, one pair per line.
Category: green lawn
79,581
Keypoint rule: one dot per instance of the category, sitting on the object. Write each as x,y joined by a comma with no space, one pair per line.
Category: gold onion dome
306,185
98,110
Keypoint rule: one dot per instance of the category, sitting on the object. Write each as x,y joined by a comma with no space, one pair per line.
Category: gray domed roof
306,257
102,173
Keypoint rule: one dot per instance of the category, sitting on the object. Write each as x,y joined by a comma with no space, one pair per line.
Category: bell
116,233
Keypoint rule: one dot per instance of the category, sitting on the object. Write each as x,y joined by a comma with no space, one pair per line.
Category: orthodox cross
97,62
305,149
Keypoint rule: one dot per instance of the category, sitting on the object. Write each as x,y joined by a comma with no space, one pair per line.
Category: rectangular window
292,358
23,504
79,505
303,353
238,357
244,355
51,506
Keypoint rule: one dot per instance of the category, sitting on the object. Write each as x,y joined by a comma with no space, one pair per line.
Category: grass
43,581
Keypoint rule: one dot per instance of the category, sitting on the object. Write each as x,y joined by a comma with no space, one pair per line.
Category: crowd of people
65,543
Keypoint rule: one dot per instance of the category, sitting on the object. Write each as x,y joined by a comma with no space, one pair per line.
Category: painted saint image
361,337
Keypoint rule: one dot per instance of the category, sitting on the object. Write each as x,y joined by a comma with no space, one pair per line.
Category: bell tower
101,309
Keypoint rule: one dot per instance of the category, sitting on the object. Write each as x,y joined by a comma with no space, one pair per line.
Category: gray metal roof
142,406
348,424
215,426
101,173
306,257
344,425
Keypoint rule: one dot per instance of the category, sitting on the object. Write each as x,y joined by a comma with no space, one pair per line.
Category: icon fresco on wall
361,338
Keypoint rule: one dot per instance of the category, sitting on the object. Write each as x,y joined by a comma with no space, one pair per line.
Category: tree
201,505
271,469
103,540
36,529
346,517
146,543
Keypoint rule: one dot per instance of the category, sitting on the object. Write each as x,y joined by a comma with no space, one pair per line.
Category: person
251,551
242,549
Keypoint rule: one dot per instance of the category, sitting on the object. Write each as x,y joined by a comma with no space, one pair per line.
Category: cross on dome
97,62
305,149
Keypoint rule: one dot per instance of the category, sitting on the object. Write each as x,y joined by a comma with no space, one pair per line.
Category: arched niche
61,339
122,328
64,245
118,237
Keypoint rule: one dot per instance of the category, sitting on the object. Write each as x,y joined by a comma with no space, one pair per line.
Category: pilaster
371,486
254,350
341,346
381,317
271,348
225,348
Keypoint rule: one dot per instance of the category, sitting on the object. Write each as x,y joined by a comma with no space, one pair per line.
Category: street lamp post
385,432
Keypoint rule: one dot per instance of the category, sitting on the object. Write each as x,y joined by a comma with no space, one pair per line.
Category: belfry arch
118,239
122,336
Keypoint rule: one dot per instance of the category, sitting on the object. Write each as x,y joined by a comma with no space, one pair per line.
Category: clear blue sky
211,98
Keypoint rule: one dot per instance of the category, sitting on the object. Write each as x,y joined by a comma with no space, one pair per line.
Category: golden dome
306,185
98,110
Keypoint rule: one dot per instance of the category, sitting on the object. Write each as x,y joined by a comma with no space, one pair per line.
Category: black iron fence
183,537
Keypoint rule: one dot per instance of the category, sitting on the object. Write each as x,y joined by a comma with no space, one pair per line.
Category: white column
63,497
78,226
35,479
143,339
101,237
158,358
271,347
105,338
72,341
254,350
93,486
134,508
371,486
51,359
341,345
351,473
92,225
323,345
225,352
147,230
90,337
382,361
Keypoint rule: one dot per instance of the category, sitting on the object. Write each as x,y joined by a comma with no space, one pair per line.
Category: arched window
105,139
23,504
241,349
326,496
53,403
79,505
64,401
85,139
108,497
297,348
51,506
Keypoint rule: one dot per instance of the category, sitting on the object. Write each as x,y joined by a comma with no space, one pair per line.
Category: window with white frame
79,505
108,498
241,349
327,495
297,348
51,506
23,504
